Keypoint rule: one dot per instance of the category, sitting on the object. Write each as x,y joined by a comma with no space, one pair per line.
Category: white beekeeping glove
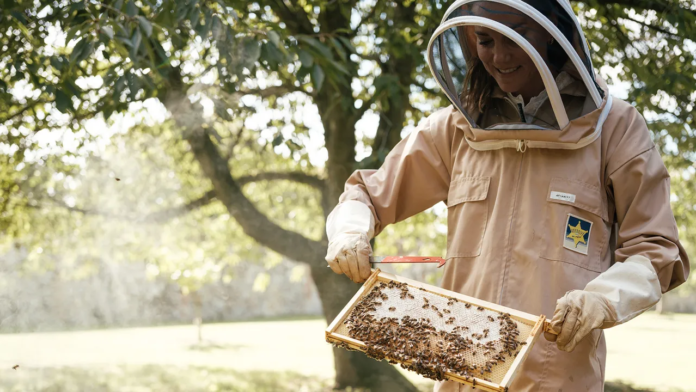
619,294
350,227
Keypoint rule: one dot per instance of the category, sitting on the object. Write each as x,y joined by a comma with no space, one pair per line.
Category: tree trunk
353,369
198,313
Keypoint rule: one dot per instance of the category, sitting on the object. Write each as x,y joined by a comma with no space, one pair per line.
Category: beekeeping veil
546,31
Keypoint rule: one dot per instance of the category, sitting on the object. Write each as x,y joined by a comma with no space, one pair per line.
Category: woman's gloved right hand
349,254
349,228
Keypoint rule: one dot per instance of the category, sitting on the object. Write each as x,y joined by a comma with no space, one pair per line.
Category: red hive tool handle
408,259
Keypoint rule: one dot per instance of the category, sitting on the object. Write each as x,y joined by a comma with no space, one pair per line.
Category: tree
346,57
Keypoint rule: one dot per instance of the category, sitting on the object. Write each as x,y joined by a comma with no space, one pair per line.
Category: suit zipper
512,219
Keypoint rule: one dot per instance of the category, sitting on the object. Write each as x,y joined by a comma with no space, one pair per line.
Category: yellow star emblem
577,234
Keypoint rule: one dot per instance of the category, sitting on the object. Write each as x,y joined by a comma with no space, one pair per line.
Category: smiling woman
522,64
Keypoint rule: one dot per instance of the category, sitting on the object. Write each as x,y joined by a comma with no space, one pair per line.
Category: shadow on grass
175,379
154,378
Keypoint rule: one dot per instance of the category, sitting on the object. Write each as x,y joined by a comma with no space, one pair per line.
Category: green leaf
303,72
274,38
204,27
160,52
110,75
145,25
339,49
133,85
57,63
118,87
278,140
271,54
131,8
78,6
107,31
318,46
77,50
317,76
252,52
340,67
347,44
72,32
71,87
135,42
217,27
194,18
19,16
63,102
306,58
86,52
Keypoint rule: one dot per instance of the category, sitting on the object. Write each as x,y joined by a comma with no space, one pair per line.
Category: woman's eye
485,43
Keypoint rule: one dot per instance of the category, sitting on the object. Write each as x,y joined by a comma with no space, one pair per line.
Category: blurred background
167,167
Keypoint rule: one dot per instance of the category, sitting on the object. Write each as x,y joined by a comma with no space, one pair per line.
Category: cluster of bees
417,345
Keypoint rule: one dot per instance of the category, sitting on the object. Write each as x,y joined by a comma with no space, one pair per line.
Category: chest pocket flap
577,194
468,189
467,215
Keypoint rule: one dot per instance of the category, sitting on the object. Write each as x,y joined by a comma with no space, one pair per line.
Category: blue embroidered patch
577,234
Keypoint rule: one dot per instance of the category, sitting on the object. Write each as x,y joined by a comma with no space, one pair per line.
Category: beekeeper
558,201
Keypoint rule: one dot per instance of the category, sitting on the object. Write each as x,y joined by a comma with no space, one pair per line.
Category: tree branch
165,215
210,196
359,113
297,176
254,223
655,5
370,57
21,111
653,27
272,91
296,19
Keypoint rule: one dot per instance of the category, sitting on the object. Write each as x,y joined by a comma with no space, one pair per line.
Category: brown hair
478,86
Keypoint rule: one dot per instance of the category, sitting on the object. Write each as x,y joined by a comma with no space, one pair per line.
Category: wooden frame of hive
377,276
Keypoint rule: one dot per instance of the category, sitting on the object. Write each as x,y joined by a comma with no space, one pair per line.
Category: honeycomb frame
337,335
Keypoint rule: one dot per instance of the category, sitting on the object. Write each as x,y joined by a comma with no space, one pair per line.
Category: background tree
255,65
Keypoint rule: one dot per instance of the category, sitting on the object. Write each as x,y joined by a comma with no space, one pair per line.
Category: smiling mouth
508,70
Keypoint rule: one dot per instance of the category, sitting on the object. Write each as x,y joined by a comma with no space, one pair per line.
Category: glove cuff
628,288
351,216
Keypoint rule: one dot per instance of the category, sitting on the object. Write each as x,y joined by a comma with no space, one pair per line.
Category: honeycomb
432,334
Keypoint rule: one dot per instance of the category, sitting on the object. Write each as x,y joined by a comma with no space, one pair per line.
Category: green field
652,352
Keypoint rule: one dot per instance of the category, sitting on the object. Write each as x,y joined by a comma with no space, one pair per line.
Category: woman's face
507,62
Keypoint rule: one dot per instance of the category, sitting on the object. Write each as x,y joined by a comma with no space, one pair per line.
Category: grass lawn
658,352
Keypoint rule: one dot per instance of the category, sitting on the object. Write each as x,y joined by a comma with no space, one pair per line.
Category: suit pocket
467,215
576,227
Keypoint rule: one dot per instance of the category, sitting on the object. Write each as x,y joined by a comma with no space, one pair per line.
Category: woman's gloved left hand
577,314
617,295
